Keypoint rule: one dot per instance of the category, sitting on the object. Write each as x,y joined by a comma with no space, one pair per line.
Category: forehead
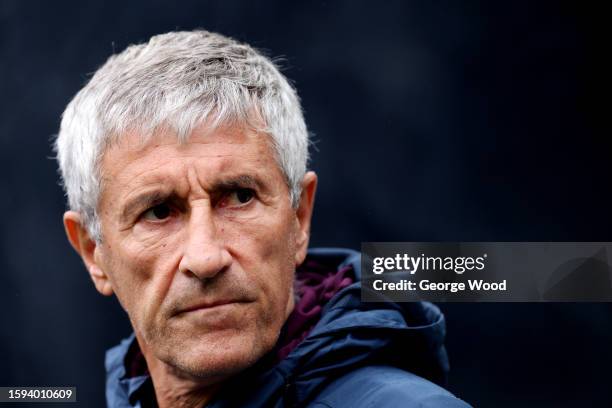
133,160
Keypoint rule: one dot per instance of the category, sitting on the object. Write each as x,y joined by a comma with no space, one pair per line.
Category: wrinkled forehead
220,149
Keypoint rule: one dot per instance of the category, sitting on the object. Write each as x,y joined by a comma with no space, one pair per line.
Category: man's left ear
304,215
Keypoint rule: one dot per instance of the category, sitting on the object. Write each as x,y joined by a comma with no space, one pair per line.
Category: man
184,162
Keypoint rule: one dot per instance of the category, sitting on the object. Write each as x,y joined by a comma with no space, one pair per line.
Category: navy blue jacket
358,355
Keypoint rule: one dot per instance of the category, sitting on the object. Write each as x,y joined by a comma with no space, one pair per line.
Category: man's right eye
158,213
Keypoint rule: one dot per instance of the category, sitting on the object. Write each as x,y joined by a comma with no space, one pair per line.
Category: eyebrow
157,196
240,181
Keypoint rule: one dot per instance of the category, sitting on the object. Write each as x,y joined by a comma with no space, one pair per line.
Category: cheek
265,250
266,239
141,274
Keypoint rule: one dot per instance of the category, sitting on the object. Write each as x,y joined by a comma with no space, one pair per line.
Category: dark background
433,121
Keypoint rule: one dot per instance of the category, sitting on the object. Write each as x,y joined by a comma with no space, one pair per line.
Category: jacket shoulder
384,386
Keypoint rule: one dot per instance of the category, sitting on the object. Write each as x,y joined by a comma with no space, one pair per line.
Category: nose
204,254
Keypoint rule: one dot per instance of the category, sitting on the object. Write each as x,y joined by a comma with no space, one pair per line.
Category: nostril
205,262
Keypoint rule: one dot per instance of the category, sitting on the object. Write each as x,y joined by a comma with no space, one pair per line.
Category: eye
244,195
158,213
237,198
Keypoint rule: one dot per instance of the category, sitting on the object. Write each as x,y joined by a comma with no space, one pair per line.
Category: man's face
200,243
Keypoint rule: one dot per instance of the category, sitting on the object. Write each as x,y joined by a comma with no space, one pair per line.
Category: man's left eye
237,198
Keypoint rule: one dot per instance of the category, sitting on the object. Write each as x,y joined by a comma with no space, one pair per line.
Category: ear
86,247
304,215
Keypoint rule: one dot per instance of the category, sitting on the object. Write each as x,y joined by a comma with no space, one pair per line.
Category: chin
219,357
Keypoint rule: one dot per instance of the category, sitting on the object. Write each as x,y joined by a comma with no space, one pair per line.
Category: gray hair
177,81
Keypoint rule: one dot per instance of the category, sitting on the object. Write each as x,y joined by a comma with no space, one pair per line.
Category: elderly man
184,163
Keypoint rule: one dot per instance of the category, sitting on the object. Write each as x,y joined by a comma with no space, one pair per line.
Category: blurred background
432,121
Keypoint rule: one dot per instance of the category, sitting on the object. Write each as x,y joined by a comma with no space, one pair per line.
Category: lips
209,305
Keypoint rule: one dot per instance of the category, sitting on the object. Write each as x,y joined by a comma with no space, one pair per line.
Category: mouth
210,305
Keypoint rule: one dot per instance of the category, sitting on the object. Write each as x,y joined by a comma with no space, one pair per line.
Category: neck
175,389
